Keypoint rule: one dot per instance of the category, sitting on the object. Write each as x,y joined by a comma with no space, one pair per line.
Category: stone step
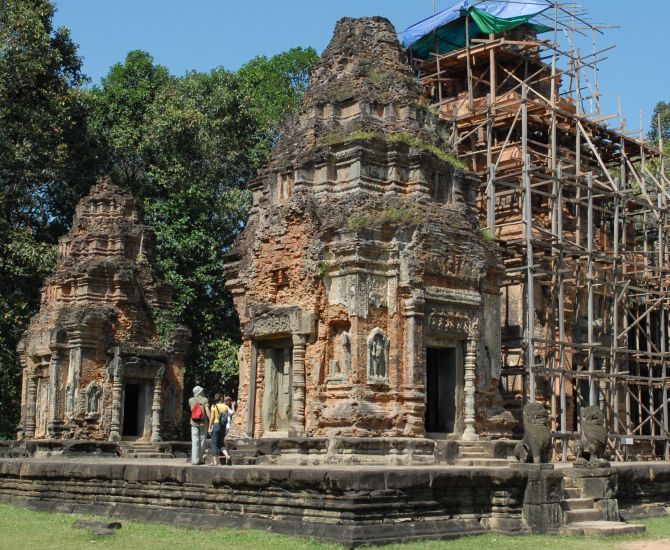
482,462
243,457
147,454
579,504
576,516
603,529
571,492
474,454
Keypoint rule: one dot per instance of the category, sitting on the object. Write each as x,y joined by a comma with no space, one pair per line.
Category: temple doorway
137,409
441,390
277,396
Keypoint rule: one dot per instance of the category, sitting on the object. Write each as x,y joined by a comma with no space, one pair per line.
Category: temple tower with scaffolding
577,209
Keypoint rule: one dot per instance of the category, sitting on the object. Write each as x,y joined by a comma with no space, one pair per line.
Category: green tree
120,115
272,89
200,141
662,114
188,146
44,159
660,131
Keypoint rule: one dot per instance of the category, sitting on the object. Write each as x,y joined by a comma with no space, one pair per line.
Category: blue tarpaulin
451,32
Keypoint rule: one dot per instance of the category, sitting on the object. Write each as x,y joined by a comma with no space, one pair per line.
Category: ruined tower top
108,223
363,61
362,87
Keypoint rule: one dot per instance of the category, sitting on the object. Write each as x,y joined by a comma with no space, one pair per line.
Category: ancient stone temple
362,278
94,363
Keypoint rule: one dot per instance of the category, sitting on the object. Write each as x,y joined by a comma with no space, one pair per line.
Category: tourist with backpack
199,421
217,428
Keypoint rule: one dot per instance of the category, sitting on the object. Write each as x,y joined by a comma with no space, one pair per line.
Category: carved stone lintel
287,321
447,321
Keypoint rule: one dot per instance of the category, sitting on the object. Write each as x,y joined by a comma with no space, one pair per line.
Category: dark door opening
131,405
441,381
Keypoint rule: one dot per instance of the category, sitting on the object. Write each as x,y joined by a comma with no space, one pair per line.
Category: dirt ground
660,544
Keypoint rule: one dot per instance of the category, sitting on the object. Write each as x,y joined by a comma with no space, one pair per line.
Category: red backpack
197,413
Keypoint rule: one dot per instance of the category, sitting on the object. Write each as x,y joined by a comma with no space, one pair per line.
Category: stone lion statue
593,442
535,446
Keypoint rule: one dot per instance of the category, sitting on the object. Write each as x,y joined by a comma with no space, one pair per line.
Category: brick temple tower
94,363
362,277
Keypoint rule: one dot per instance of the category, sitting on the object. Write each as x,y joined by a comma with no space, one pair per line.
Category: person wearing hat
199,421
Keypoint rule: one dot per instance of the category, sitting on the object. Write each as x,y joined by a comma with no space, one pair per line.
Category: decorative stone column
156,405
298,408
74,377
21,431
55,397
29,430
469,434
117,368
413,311
251,400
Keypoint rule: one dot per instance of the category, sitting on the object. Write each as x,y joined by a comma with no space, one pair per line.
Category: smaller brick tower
94,363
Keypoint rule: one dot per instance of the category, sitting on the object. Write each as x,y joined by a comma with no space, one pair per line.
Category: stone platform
348,504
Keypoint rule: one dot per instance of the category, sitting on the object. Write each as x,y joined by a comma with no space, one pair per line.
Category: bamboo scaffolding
579,215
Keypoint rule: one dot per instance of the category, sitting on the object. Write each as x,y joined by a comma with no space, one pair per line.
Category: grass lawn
23,528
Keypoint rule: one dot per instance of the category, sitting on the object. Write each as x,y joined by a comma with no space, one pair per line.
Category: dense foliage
186,146
661,115
44,152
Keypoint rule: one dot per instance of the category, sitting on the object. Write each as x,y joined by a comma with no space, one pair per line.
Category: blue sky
203,34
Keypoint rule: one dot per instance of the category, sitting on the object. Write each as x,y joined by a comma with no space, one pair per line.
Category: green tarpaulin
489,24
446,31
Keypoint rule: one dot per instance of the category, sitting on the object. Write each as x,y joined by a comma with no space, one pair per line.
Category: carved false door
277,395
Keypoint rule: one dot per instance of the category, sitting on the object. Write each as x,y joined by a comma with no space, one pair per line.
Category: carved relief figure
535,446
593,442
346,350
334,371
377,356
69,400
340,365
93,400
113,365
